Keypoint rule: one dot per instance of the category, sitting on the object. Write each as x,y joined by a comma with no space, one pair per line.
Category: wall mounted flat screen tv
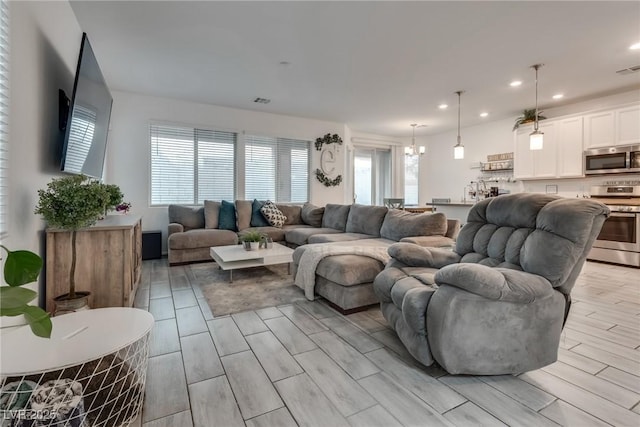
87,119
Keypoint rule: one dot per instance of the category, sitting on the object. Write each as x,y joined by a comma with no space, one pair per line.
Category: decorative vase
65,305
266,243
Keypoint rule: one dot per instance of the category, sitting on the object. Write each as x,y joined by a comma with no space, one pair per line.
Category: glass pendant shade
536,140
458,150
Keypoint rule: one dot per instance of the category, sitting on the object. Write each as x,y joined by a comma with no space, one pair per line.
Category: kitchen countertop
451,204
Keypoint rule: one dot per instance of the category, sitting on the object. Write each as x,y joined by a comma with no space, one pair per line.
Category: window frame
194,128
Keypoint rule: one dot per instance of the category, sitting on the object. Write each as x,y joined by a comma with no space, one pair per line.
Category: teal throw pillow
257,219
227,217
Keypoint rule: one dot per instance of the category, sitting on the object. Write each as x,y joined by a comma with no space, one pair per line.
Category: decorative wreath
326,181
328,139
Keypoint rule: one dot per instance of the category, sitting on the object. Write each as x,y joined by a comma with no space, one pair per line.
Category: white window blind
276,169
4,113
190,165
411,170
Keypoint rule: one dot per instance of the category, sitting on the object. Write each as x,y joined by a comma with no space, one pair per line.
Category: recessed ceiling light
635,46
515,83
443,106
558,96
484,114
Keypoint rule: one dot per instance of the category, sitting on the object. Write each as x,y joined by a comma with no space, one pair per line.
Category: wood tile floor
306,365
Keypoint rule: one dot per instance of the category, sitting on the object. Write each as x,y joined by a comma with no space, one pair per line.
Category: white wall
45,41
444,177
128,149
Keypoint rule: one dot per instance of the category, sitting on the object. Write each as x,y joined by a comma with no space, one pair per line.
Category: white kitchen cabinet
536,164
569,141
599,129
627,125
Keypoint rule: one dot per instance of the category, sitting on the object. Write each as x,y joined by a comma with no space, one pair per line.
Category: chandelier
413,150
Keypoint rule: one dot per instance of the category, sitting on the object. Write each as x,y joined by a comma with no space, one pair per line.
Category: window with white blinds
4,113
276,169
189,165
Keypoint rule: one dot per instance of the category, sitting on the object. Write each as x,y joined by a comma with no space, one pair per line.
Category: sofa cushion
211,214
400,224
202,238
257,219
227,217
292,212
274,216
430,241
300,236
312,214
277,234
189,217
338,237
365,219
243,213
335,216
349,270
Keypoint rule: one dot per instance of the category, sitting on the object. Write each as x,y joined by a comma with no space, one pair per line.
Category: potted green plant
528,116
72,203
21,268
251,240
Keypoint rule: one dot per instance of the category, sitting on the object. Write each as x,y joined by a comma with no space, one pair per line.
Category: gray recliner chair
498,302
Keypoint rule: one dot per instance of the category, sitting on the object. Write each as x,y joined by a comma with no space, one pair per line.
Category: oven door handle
623,215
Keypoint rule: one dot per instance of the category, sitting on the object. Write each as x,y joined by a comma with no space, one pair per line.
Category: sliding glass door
371,175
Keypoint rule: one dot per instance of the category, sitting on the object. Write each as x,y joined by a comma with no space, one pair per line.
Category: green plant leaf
11,297
21,267
38,320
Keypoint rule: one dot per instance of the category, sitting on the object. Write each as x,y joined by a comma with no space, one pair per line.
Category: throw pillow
257,219
189,217
400,224
271,212
211,213
227,217
312,215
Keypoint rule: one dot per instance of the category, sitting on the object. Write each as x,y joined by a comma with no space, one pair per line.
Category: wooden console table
109,261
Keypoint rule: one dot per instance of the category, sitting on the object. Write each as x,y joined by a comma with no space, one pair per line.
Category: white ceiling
376,66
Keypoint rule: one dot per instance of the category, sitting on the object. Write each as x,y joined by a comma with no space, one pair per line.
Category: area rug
252,288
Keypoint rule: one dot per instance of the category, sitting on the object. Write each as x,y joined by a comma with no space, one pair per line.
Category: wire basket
107,391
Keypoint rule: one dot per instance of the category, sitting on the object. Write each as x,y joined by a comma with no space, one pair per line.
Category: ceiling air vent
262,100
629,70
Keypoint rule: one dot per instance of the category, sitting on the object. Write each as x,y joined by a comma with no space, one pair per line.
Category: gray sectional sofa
344,280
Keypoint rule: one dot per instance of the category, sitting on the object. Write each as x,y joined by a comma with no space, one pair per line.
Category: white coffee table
234,257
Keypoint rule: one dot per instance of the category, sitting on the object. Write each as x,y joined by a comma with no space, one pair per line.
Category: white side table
91,371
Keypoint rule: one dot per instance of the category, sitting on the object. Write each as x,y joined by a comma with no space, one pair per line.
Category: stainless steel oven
619,239
624,159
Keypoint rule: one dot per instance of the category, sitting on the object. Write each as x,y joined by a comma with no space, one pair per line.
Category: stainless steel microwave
623,159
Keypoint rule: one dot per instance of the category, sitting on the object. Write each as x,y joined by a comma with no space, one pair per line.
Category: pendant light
413,150
536,137
458,149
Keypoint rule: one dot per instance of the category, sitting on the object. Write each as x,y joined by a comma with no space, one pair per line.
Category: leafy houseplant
251,240
72,203
528,116
114,197
20,268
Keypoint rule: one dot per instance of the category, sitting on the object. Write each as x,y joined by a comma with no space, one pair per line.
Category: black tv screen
87,125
